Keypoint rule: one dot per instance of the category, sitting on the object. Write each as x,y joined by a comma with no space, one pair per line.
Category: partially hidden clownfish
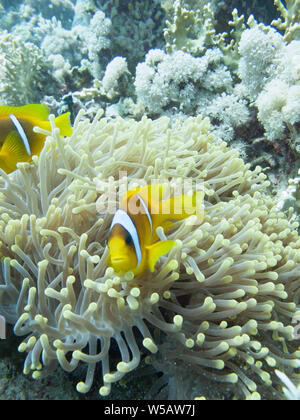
18,141
133,242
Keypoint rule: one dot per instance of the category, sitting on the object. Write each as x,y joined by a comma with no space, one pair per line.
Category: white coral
258,49
270,74
113,72
279,103
270,104
80,43
229,111
179,79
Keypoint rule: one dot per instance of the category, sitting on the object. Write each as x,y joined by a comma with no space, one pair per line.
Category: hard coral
224,297
290,18
25,72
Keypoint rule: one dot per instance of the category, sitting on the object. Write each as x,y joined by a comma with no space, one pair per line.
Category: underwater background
236,62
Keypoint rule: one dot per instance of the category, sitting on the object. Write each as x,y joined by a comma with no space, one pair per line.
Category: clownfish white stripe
21,132
146,211
123,219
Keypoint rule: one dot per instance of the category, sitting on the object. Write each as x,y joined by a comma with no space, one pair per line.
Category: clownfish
133,242
18,141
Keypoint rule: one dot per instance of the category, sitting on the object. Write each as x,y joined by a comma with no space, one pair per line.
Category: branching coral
290,19
224,296
136,27
80,45
25,72
191,28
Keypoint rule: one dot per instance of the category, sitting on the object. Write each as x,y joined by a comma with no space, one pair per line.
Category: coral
231,49
62,9
94,37
289,196
80,46
279,107
189,30
114,70
136,27
269,70
223,298
279,103
258,49
227,112
25,72
290,19
164,81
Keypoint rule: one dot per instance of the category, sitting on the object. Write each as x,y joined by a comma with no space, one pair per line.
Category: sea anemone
224,297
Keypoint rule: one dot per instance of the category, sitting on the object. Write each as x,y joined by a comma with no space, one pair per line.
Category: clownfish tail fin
63,123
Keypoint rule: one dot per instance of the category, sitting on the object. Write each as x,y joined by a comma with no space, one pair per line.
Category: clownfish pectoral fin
157,250
13,149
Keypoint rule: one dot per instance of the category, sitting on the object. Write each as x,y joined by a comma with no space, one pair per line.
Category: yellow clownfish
133,242
18,141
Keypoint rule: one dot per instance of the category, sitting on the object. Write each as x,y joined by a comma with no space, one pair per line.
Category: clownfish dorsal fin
180,207
31,112
153,193
127,195
157,250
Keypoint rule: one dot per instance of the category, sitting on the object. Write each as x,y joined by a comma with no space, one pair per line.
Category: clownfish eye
128,240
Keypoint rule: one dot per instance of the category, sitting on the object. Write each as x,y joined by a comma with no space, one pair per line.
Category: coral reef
269,70
223,299
180,80
23,66
289,22
136,28
88,35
